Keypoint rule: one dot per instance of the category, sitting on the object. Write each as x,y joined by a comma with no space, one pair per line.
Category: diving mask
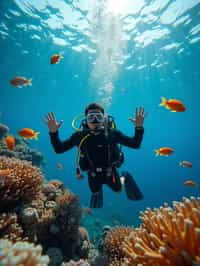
95,117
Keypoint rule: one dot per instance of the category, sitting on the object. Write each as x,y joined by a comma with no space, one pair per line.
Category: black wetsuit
99,154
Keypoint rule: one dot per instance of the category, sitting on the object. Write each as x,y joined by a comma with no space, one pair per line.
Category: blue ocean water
122,54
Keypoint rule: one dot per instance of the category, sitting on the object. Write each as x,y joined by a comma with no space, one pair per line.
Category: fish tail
36,135
29,82
163,101
157,152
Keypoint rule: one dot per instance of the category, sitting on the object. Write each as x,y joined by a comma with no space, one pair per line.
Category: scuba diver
99,150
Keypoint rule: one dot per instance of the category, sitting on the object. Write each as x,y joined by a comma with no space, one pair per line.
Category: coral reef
167,237
49,214
76,263
21,253
46,214
21,151
53,221
83,246
3,130
55,255
10,227
113,240
22,184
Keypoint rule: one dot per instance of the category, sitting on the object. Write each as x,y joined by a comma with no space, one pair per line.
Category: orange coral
167,237
24,182
9,227
83,233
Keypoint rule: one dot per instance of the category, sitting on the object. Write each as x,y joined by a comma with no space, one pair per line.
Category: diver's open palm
51,122
139,117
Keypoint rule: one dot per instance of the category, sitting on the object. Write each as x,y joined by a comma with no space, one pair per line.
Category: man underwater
100,155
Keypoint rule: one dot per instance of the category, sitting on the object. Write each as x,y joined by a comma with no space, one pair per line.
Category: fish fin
36,135
157,152
19,86
163,101
180,163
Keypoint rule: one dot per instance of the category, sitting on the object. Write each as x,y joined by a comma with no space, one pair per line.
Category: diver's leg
132,190
96,200
113,181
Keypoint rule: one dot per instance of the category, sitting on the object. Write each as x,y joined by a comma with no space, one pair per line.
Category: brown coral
167,237
57,183
66,198
9,227
113,242
23,184
21,253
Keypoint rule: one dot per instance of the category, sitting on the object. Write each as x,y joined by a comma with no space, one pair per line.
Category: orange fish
87,210
21,82
59,166
55,59
186,164
172,104
191,183
5,172
164,151
28,133
10,142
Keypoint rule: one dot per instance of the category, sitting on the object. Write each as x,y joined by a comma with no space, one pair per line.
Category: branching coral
167,237
113,242
21,253
23,183
9,227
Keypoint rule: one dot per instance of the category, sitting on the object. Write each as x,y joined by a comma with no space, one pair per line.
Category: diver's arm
62,146
131,142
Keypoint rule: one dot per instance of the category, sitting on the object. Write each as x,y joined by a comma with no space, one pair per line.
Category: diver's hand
139,117
50,120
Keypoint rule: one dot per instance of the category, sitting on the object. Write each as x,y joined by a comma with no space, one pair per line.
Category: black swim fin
96,200
132,190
